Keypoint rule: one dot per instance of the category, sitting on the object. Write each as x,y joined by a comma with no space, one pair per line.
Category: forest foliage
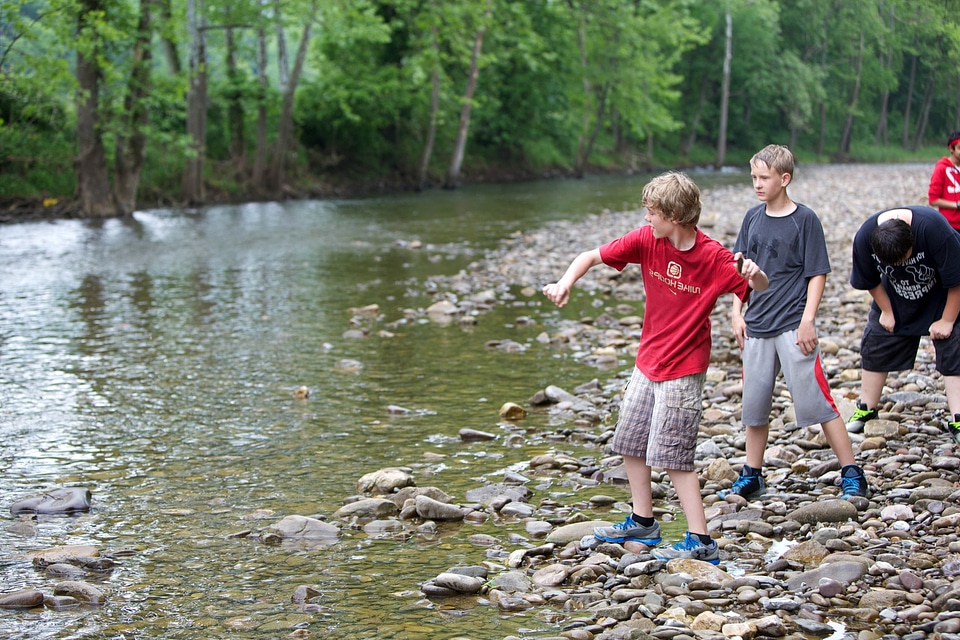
119,104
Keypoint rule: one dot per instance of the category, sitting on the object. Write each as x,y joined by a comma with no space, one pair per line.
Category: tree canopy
123,103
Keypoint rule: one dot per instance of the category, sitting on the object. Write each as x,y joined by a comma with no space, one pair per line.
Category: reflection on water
153,359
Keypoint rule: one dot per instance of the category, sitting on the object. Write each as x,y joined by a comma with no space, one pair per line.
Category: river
153,360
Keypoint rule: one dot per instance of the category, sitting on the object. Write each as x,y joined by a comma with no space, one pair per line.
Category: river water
153,360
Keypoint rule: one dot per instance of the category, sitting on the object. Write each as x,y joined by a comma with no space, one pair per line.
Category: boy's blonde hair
777,157
675,196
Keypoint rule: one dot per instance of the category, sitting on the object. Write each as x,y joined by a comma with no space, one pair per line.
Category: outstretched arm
559,292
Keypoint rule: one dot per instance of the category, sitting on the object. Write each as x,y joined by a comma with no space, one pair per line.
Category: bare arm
807,331
559,292
943,327
879,295
753,273
942,203
737,322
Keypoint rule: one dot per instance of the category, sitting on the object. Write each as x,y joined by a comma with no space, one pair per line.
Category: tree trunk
956,122
260,154
285,128
170,53
595,129
283,61
924,112
131,141
886,60
583,156
725,93
235,112
906,114
193,187
844,150
93,180
453,173
822,139
434,110
687,145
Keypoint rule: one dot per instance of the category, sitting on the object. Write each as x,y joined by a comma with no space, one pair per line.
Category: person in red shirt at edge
684,272
944,193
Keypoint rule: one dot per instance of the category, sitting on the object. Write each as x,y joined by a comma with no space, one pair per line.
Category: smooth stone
82,591
23,599
67,500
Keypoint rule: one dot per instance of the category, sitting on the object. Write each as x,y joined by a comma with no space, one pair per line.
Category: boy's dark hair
953,139
675,196
892,241
777,157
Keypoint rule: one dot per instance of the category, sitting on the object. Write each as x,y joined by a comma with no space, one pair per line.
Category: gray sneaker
630,530
690,547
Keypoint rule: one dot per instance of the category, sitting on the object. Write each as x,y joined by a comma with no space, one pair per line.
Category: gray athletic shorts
763,359
659,420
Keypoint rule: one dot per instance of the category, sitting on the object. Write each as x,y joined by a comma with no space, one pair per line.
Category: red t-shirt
681,288
945,183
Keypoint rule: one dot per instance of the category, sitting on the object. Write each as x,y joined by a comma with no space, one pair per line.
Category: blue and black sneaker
691,547
749,484
628,530
853,482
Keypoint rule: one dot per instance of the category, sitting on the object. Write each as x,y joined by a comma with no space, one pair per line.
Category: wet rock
67,500
430,509
23,599
369,508
473,435
82,591
512,411
385,481
302,527
459,582
824,511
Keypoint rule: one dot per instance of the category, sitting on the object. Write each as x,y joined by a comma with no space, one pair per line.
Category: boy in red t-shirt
684,273
944,192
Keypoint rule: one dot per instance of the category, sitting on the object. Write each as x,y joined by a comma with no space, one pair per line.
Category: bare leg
638,473
871,386
836,432
757,444
952,387
687,486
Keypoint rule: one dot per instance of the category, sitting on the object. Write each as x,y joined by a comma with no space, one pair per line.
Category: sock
750,471
850,471
642,521
704,538
956,417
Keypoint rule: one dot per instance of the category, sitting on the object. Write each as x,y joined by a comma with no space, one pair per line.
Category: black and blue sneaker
749,484
690,547
853,482
628,530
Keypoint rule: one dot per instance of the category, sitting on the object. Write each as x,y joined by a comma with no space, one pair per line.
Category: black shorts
881,350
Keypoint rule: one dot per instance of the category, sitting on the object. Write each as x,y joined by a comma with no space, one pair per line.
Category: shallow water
153,361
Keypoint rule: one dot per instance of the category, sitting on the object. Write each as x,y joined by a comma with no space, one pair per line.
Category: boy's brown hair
675,196
776,156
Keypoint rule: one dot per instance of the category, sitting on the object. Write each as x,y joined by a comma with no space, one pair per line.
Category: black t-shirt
917,288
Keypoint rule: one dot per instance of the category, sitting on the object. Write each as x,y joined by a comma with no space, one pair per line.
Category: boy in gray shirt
778,330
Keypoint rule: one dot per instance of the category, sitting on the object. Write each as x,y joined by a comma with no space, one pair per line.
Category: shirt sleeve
864,275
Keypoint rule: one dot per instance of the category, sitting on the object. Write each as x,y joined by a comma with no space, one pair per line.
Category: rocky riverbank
797,562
